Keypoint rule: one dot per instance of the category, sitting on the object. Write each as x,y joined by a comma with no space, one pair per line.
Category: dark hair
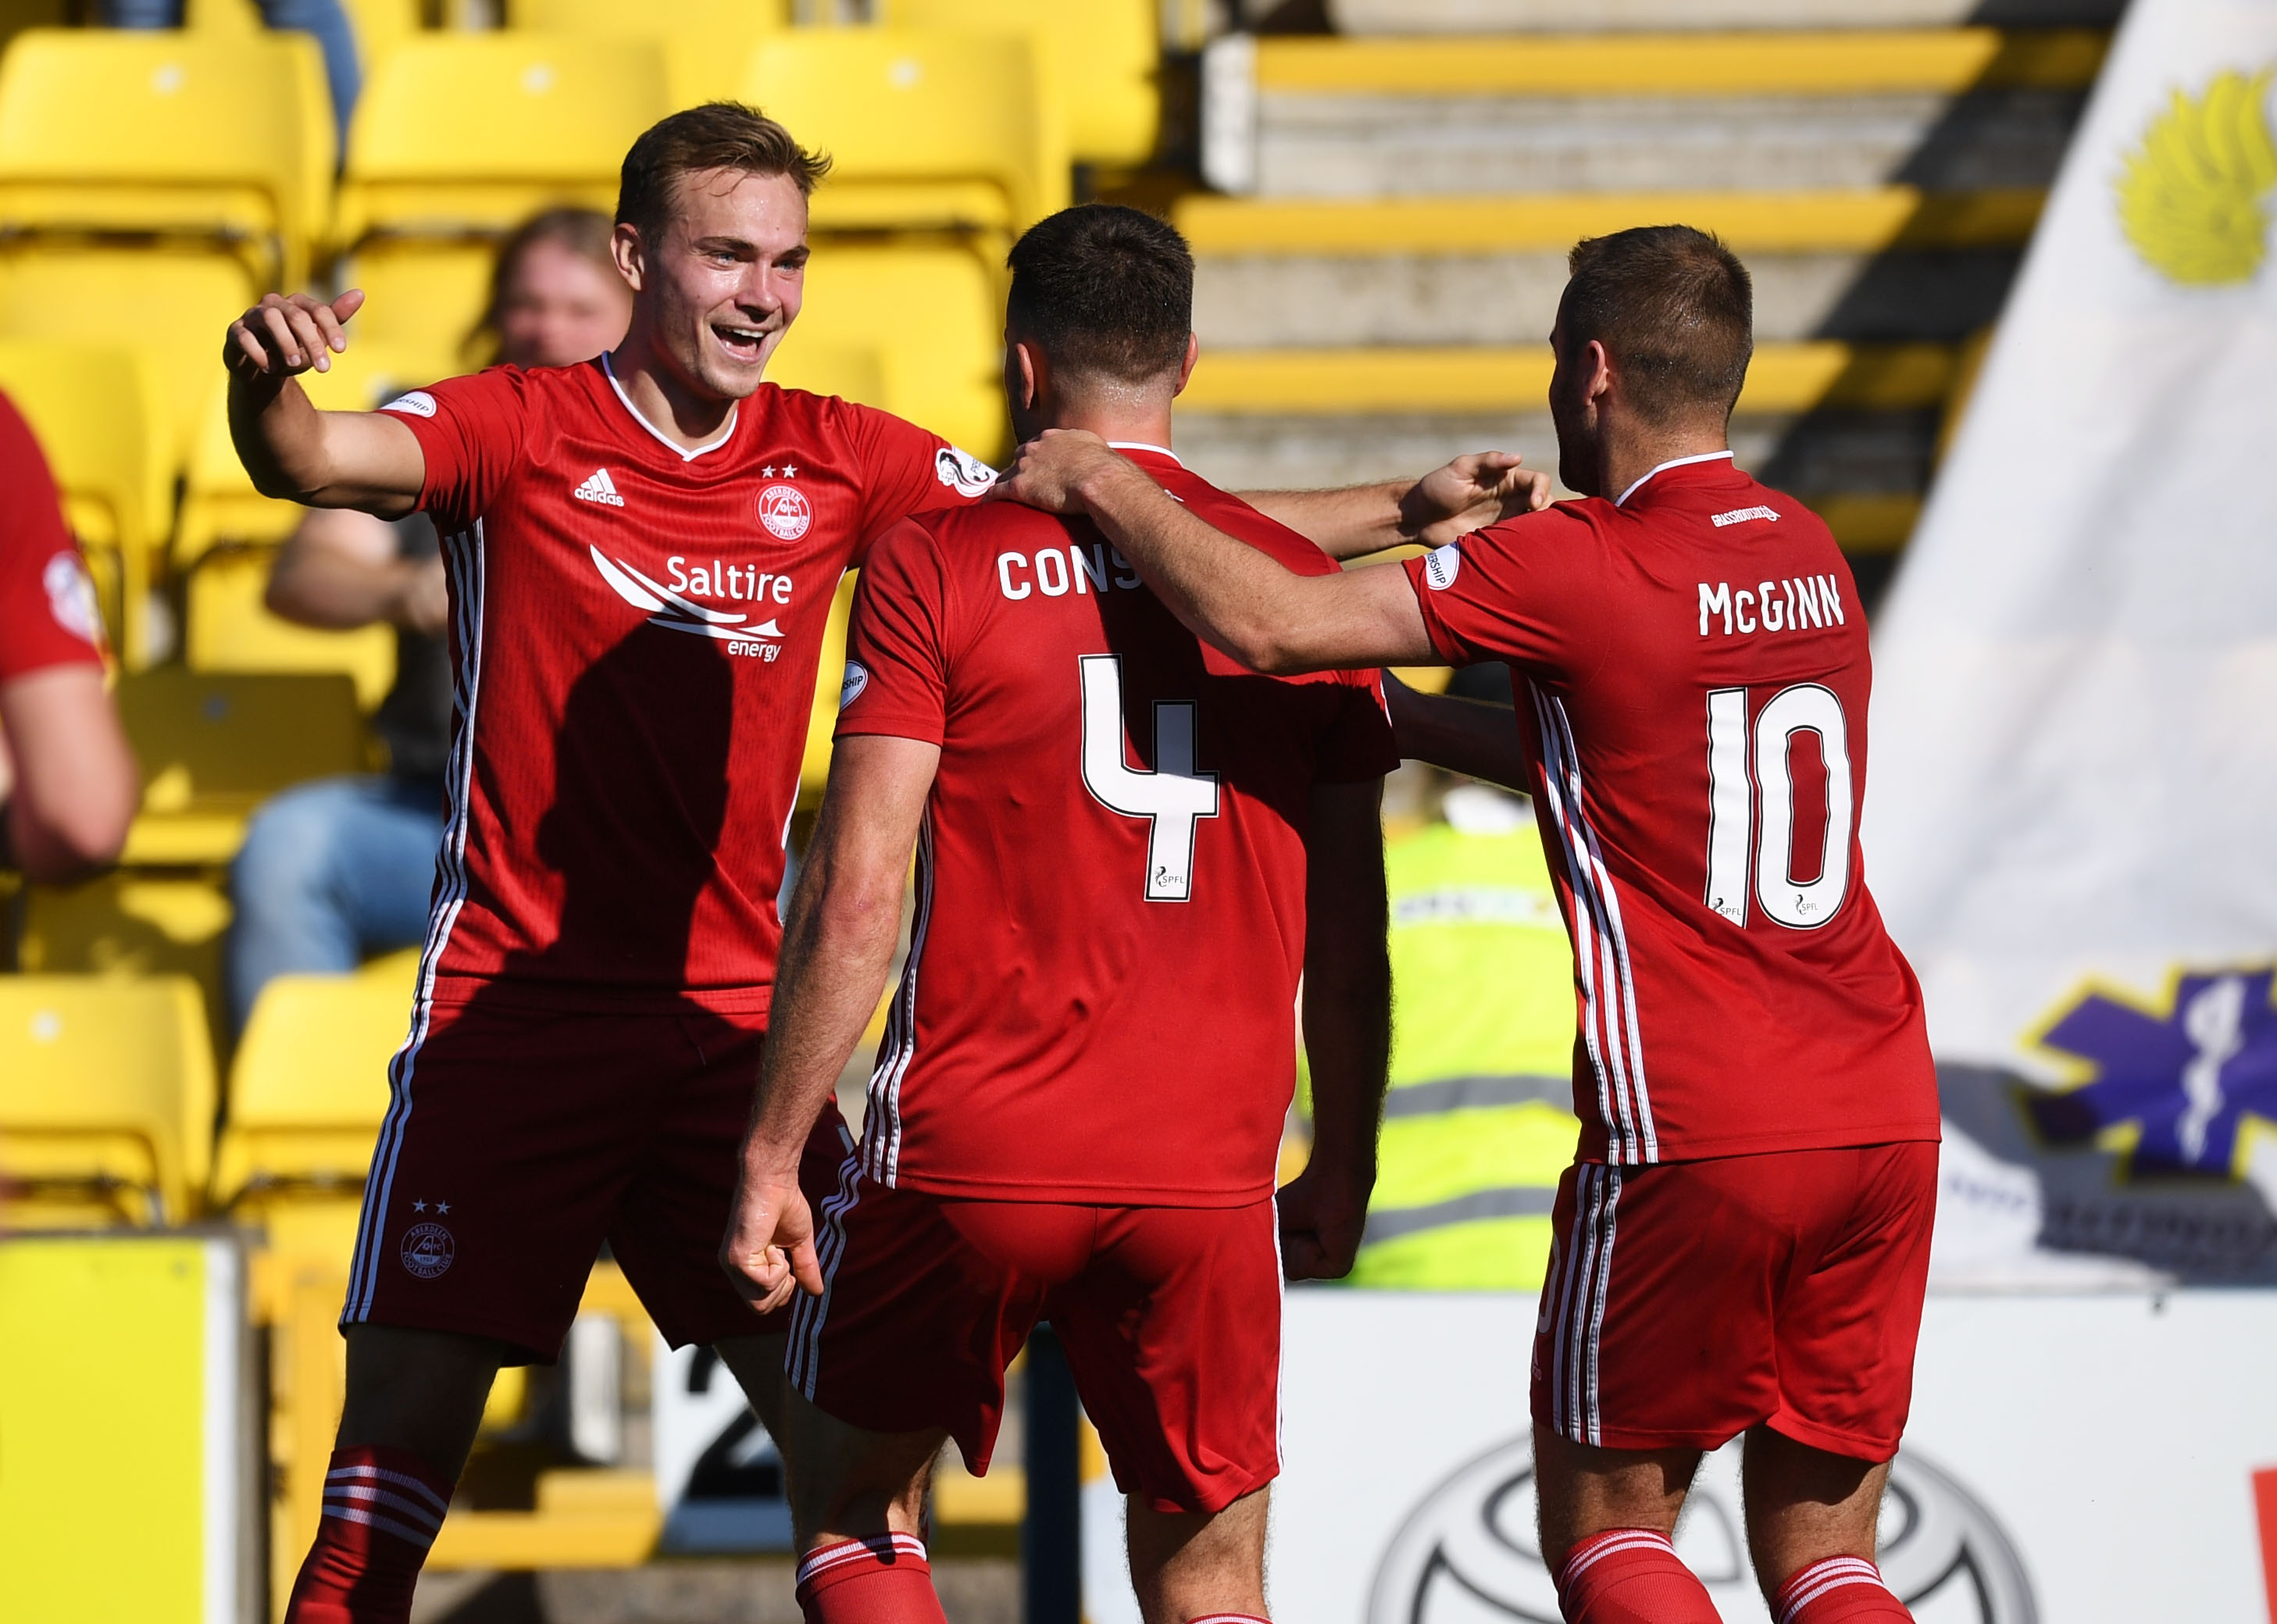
716,135
1105,290
1673,306
583,232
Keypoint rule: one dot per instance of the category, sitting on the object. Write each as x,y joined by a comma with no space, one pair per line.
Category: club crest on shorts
783,509
428,1250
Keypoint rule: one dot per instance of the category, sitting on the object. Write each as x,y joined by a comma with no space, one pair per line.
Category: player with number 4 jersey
1742,1244
1128,848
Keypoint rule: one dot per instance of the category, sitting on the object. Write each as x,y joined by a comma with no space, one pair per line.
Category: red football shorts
1687,1302
1171,1316
519,1139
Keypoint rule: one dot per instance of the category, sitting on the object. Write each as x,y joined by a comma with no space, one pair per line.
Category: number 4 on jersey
1751,814
1170,799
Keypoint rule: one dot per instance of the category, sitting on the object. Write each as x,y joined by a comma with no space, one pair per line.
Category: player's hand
1050,471
1478,488
289,333
768,1252
1321,1213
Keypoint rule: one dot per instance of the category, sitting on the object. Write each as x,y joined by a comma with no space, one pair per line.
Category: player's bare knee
421,1391
846,1483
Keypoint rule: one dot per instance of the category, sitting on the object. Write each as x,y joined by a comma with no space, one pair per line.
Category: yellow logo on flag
2193,197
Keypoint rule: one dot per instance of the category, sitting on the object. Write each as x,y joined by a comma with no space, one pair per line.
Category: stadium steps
1382,260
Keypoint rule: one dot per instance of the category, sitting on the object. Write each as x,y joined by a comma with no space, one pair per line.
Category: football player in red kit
642,551
1128,848
1743,1242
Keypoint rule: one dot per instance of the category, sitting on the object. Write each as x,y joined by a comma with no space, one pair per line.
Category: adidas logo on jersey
600,488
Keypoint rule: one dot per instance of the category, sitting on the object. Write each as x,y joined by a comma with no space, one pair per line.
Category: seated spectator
68,786
339,869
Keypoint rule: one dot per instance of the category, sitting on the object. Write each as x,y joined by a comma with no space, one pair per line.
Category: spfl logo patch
428,1250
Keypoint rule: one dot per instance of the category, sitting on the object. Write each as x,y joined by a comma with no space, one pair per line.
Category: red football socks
1846,1588
382,1509
884,1580
1631,1576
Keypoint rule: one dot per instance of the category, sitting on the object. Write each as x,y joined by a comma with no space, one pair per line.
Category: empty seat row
108,1101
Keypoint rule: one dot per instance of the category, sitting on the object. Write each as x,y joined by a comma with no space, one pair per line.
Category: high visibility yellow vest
1479,1124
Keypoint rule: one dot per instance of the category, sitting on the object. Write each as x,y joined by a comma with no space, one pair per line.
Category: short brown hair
1673,306
1105,290
716,135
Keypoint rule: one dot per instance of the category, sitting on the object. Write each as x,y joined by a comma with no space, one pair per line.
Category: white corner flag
2073,831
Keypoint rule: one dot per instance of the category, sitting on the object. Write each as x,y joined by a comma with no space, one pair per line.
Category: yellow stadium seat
227,627
379,24
97,411
212,746
185,300
106,1096
925,127
459,135
131,923
704,42
308,1088
224,139
423,298
1102,56
219,502
944,372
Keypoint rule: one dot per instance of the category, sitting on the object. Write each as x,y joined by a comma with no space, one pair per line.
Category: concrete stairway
1381,265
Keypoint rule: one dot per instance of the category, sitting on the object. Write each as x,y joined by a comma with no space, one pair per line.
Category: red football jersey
47,614
1691,674
1100,999
635,633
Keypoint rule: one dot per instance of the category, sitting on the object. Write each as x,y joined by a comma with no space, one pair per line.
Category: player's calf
857,1513
1200,1567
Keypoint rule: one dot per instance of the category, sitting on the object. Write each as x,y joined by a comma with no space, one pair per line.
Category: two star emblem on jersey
1467,1552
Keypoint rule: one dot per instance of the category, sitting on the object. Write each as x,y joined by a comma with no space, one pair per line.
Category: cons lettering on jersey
1056,571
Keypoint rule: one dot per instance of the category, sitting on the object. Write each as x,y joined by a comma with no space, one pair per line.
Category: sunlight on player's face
726,280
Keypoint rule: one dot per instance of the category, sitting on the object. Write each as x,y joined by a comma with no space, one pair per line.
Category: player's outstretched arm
1476,489
1226,592
1463,735
838,945
1347,1029
364,459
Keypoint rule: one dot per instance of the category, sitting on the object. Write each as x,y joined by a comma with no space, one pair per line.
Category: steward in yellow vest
1478,1125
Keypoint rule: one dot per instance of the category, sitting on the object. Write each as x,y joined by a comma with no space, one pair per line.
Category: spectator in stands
337,869
67,782
326,19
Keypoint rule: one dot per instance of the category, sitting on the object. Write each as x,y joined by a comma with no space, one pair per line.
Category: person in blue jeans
324,19
340,868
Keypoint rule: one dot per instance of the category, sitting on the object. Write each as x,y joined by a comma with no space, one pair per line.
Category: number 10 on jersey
1751,813
1171,799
